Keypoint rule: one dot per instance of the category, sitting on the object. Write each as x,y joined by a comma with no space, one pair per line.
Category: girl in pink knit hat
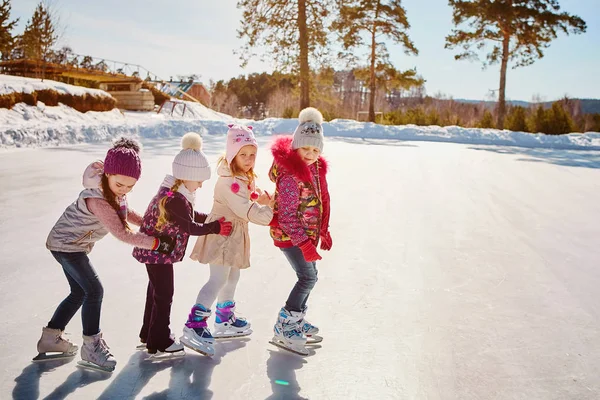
100,208
237,199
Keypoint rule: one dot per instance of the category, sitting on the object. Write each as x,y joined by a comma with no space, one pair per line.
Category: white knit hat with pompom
310,129
191,163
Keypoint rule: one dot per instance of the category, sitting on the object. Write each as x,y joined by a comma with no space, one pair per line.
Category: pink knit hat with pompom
238,136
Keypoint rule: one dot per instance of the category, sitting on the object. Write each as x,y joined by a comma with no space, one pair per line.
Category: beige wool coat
232,201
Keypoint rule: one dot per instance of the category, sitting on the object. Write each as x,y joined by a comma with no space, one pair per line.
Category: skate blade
295,350
56,356
94,367
162,356
231,334
202,348
314,339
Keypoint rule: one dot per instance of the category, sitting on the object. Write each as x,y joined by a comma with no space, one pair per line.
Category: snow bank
10,84
28,126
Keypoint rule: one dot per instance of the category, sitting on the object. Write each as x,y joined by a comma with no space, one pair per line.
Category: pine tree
7,40
516,120
374,18
40,35
487,120
559,120
292,32
517,30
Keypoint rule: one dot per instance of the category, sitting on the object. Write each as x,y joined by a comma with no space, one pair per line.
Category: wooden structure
129,94
127,90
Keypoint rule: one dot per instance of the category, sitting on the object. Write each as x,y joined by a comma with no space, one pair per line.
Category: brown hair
163,214
111,198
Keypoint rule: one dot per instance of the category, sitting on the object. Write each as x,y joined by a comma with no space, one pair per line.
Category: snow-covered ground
457,272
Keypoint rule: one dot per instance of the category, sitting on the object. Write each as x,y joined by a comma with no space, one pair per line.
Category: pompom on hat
191,163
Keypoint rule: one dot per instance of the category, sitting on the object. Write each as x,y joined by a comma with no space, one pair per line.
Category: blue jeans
86,291
307,278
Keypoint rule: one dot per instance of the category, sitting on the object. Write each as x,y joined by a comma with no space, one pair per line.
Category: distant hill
588,106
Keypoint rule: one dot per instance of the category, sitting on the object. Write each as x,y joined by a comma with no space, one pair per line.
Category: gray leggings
222,283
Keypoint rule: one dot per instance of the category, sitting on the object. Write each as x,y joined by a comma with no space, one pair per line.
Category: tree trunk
372,82
304,68
502,90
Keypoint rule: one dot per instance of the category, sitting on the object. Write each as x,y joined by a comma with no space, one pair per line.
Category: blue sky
199,37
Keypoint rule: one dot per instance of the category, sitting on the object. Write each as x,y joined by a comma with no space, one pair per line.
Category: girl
237,199
171,212
301,218
100,208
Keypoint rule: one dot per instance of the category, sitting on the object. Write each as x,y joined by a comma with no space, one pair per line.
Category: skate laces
203,332
102,347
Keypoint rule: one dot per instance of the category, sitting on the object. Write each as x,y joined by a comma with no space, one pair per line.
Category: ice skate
309,330
227,325
196,335
175,350
95,354
53,346
141,345
287,333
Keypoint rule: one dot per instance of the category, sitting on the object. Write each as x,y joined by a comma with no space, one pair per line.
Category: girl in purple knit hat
100,208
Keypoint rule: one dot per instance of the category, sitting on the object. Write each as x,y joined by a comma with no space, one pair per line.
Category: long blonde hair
235,171
163,214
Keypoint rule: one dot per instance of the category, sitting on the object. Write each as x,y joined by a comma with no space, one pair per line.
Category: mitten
309,251
165,245
221,227
326,241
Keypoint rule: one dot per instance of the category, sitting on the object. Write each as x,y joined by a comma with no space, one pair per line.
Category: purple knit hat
123,159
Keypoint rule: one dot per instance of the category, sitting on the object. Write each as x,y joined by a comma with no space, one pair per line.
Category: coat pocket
87,235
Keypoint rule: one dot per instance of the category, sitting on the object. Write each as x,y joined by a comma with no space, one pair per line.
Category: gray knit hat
191,163
310,130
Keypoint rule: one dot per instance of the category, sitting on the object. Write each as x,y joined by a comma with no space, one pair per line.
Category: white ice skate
200,343
309,330
175,350
141,346
227,325
287,333
95,354
52,346
196,335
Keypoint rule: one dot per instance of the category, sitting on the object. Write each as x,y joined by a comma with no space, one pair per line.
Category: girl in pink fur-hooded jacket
300,220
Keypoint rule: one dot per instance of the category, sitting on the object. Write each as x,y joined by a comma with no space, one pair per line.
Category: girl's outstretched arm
236,196
133,217
178,213
200,217
110,219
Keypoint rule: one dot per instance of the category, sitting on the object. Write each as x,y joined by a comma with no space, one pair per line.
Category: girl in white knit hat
237,199
300,222
171,213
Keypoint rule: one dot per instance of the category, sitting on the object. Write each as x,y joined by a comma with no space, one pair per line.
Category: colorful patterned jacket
301,209
183,221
